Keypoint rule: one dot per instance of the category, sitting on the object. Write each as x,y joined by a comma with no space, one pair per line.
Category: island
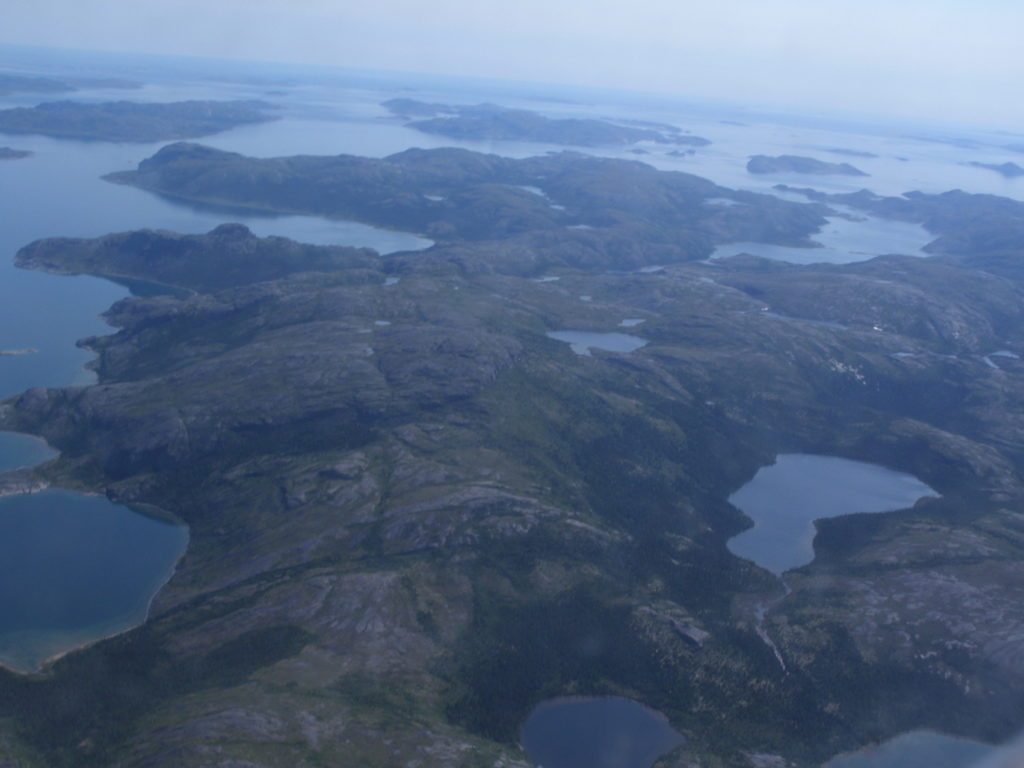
493,122
1009,170
14,83
798,164
18,83
416,511
6,153
17,352
132,121
851,152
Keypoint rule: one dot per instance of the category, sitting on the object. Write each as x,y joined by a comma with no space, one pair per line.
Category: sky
950,60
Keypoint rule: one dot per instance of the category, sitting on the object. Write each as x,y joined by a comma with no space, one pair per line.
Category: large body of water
785,498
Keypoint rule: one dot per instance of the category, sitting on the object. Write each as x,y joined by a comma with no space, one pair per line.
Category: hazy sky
947,59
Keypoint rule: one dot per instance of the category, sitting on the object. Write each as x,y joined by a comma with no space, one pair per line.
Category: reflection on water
785,499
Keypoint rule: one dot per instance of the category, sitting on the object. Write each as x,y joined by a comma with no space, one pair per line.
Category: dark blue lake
74,568
785,499
597,733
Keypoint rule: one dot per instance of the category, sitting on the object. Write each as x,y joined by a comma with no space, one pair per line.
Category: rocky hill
414,515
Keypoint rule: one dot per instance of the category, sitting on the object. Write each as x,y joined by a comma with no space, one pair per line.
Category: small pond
597,733
582,342
785,499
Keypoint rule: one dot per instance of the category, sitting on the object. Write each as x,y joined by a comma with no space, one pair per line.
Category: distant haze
950,60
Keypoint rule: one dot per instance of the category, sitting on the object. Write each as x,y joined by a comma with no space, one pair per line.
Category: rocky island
798,164
18,83
1009,170
6,153
13,83
415,515
132,121
229,256
490,121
